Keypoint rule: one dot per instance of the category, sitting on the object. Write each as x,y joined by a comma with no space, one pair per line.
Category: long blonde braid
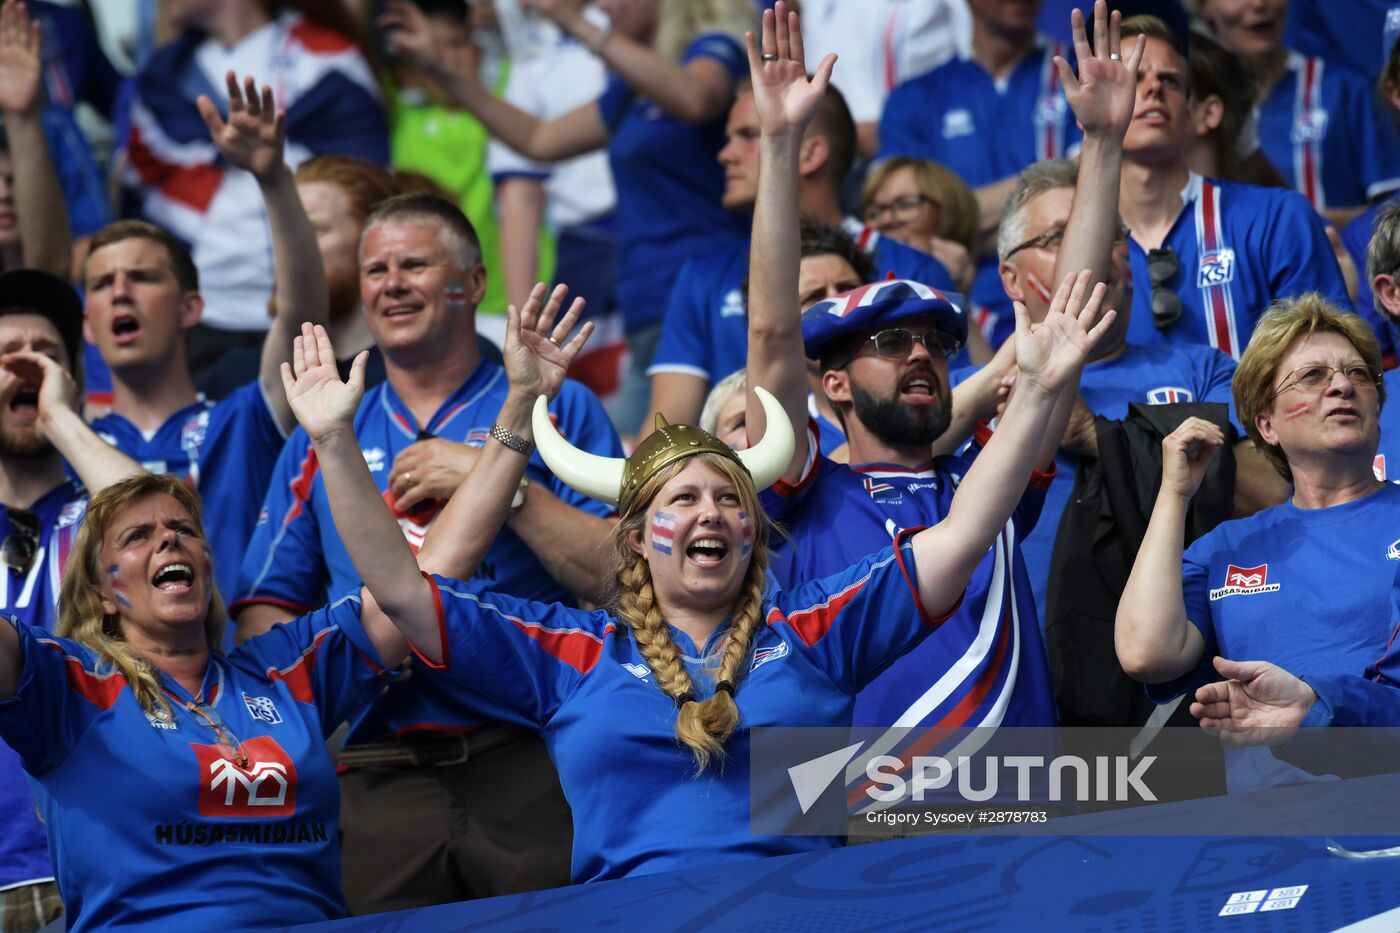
702,726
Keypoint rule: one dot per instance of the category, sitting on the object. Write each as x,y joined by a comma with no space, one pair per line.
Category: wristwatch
519,499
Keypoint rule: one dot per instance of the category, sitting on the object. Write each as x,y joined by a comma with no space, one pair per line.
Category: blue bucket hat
872,307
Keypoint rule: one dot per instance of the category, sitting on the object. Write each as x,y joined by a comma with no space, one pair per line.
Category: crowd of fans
973,363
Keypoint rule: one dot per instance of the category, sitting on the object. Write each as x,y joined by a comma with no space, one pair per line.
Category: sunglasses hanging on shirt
22,541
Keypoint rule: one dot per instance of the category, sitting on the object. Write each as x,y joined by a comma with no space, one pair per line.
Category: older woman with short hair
924,204
1306,584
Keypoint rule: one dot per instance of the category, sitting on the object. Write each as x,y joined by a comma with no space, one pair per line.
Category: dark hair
1212,69
820,239
429,207
449,9
833,123
180,260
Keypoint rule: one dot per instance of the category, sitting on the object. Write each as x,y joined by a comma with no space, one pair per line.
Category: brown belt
431,749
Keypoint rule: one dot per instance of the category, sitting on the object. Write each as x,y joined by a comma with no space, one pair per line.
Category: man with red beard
143,302
41,322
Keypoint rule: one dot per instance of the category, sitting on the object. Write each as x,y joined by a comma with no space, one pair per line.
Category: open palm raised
783,95
323,403
538,349
1051,354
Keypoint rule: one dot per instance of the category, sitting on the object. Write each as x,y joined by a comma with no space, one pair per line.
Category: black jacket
1098,539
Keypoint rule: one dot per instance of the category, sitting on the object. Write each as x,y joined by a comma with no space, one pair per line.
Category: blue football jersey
184,837
1322,130
1358,34
983,129
1238,248
32,598
296,558
1161,374
226,450
986,665
706,329
578,678
1388,454
1306,589
1370,699
669,185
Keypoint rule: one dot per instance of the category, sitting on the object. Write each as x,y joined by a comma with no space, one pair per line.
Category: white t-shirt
551,74
883,43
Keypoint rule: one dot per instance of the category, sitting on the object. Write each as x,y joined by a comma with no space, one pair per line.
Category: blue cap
872,307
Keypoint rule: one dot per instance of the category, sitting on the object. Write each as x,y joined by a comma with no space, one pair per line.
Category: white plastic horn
768,460
596,477
601,478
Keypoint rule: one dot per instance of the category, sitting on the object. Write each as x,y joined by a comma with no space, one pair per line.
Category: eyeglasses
22,543
228,744
1315,376
896,343
1050,240
901,208
1162,267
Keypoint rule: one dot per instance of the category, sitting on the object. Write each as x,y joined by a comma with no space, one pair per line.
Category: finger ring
408,479
770,56
1114,57
553,340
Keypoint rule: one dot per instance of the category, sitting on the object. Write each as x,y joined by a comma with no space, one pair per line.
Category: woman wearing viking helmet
647,706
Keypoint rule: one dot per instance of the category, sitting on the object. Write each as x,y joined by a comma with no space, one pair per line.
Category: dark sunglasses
22,543
895,343
1162,267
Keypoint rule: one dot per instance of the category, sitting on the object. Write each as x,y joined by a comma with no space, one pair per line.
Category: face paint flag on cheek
455,296
745,534
1298,410
112,574
663,532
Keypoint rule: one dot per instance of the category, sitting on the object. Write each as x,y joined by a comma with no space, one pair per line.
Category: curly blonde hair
703,726
80,615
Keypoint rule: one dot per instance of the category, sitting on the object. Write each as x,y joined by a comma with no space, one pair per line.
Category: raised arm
1154,640
326,407
97,463
786,102
46,239
697,92
254,139
412,38
1102,97
537,355
1049,360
